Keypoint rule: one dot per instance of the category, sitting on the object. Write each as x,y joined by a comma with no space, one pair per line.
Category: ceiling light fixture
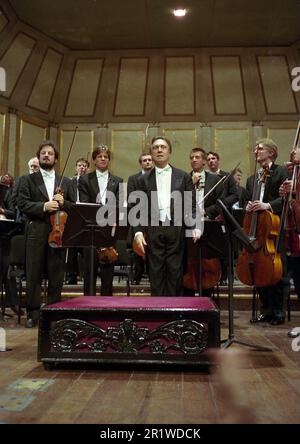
179,12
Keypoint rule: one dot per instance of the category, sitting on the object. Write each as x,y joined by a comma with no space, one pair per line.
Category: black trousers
106,273
42,261
273,299
165,254
9,283
294,271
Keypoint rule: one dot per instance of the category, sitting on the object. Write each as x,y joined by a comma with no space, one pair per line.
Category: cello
262,268
59,218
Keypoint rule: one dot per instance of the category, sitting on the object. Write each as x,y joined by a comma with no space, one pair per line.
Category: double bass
262,268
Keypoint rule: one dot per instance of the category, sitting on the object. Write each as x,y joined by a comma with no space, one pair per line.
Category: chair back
123,258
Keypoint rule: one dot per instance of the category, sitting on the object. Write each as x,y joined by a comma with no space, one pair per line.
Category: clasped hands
257,205
55,204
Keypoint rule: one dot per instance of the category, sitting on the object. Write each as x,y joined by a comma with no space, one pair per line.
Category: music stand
82,230
211,245
234,229
8,228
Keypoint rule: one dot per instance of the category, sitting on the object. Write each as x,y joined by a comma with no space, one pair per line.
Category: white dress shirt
163,182
263,185
49,181
102,178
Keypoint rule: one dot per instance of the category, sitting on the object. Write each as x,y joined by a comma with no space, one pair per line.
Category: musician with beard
38,200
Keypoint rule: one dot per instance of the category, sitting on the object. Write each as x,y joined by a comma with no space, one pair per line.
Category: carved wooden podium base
146,330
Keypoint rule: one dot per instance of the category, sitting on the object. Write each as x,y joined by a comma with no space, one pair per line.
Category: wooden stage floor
247,386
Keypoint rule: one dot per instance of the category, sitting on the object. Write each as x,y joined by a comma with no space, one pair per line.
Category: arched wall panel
44,85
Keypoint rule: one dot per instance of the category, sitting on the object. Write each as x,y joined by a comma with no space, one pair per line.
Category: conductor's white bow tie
162,170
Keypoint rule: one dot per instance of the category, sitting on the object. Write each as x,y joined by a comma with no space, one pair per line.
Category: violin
59,218
58,221
263,268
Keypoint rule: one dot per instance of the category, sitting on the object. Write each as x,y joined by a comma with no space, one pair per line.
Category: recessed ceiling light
179,12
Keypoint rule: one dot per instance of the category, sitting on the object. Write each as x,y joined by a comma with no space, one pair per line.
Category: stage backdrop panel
127,145
3,20
31,135
85,83
179,94
233,146
132,87
15,59
284,139
82,147
276,84
228,85
43,89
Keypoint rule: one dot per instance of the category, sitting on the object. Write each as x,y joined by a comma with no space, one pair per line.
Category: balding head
33,165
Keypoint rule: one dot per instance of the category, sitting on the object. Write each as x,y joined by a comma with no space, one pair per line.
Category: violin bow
222,180
68,156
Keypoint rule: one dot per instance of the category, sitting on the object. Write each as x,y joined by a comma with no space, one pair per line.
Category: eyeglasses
259,148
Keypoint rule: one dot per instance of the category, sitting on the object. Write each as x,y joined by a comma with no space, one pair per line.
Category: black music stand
82,230
211,245
234,229
8,228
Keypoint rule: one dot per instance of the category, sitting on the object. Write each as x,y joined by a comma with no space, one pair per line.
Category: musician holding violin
290,192
42,201
274,292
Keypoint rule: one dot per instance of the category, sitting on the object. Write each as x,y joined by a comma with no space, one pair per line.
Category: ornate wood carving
184,336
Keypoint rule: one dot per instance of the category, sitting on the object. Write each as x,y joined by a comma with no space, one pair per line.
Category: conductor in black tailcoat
165,240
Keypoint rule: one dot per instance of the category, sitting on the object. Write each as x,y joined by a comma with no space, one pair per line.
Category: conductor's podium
145,330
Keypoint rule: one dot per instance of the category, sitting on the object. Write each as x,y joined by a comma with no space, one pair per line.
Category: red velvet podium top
134,302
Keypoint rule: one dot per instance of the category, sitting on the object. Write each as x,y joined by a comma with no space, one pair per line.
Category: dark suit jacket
278,174
74,188
8,207
133,181
242,194
180,181
229,190
33,195
89,188
210,205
